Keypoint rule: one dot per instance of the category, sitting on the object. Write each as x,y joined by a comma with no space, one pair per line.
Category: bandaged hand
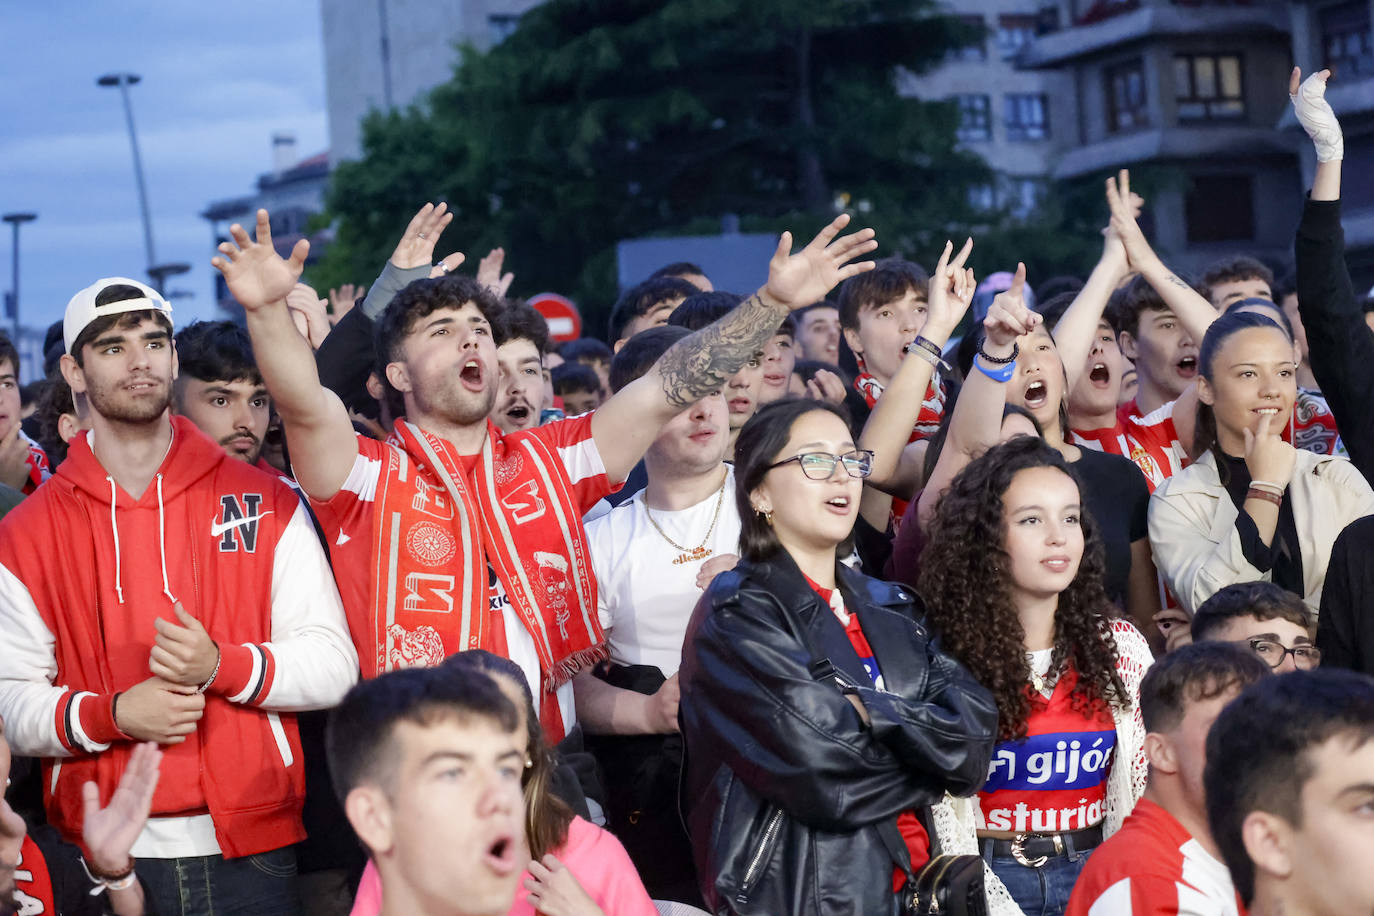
1316,117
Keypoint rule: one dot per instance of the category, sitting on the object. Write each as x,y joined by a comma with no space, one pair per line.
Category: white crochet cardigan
956,819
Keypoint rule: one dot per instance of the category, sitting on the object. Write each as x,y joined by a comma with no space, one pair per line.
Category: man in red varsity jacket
156,589
454,535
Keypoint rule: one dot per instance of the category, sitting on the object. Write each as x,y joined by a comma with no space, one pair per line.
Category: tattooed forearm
700,364
1172,278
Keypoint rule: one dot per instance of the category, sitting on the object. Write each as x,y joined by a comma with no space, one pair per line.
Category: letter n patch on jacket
238,522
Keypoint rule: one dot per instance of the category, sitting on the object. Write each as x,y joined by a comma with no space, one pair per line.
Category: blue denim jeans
258,885
1042,891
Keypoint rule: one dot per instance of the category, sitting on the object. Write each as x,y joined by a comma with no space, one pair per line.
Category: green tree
600,120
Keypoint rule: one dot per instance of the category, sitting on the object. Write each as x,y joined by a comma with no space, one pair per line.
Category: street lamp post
16,220
123,81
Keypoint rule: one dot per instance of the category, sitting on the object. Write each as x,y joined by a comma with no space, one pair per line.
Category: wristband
935,361
1000,360
1264,496
219,657
1000,374
1268,485
929,346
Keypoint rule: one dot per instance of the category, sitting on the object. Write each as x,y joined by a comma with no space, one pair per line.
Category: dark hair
760,440
33,391
1192,674
1270,307
1126,303
800,314
421,298
889,280
585,350
1057,286
677,269
216,351
788,327
1259,752
1055,306
1286,285
1234,268
642,298
358,738
1256,600
936,443
638,355
967,589
1205,429
546,815
700,309
807,368
118,292
519,321
9,352
571,377
56,400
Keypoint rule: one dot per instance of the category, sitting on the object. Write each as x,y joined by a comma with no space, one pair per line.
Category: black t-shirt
1114,491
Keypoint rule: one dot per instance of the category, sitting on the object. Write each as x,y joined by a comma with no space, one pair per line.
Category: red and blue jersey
1055,779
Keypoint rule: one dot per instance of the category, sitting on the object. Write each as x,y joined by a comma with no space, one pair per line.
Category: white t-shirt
520,649
644,599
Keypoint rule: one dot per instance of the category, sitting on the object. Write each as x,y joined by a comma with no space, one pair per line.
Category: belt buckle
1018,852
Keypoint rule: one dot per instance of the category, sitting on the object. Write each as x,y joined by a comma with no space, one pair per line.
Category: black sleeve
345,360
798,742
1341,347
1257,553
1345,595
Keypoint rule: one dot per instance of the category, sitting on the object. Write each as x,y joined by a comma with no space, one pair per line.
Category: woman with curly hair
1012,582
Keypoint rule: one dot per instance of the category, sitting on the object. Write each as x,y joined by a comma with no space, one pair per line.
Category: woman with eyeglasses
1012,579
819,721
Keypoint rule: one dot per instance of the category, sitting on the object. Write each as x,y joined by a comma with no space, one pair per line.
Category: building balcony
1076,43
1195,144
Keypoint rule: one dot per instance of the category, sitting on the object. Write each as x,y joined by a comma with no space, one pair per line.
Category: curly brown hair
968,596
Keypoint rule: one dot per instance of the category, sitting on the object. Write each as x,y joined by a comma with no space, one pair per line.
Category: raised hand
416,247
951,290
14,458
341,300
108,833
1009,317
256,275
1267,456
310,314
826,386
797,280
489,272
1315,115
158,710
1121,203
183,654
446,265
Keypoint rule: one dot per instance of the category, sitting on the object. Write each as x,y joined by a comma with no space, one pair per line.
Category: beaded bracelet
999,360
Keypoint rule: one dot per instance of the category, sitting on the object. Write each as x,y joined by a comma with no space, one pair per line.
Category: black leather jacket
784,783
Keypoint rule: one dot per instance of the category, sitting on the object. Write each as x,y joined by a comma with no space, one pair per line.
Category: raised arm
897,467
321,438
1077,328
695,366
977,421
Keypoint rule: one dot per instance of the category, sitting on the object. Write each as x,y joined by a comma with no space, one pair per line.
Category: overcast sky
217,81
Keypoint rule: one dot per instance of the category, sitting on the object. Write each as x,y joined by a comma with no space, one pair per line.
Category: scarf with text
517,514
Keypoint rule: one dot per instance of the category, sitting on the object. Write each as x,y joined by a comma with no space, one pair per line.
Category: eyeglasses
820,465
1272,654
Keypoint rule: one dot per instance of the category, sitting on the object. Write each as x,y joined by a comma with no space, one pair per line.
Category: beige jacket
1193,526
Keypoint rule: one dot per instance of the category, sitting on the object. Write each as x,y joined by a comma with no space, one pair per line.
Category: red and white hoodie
85,569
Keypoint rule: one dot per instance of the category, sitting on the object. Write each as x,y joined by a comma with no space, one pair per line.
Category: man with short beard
455,535
158,590
520,394
219,388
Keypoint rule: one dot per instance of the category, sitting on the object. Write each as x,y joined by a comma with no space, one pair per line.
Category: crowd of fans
878,590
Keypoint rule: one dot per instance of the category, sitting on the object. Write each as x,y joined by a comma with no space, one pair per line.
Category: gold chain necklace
1042,683
692,554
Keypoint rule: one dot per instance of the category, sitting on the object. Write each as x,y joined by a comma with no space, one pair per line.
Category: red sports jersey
1150,441
1312,427
1152,866
1055,779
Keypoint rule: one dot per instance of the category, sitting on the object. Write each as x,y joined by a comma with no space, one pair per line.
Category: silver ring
443,267
422,235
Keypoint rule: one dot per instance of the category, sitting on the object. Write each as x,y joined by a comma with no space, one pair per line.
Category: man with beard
456,535
219,388
520,392
180,597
